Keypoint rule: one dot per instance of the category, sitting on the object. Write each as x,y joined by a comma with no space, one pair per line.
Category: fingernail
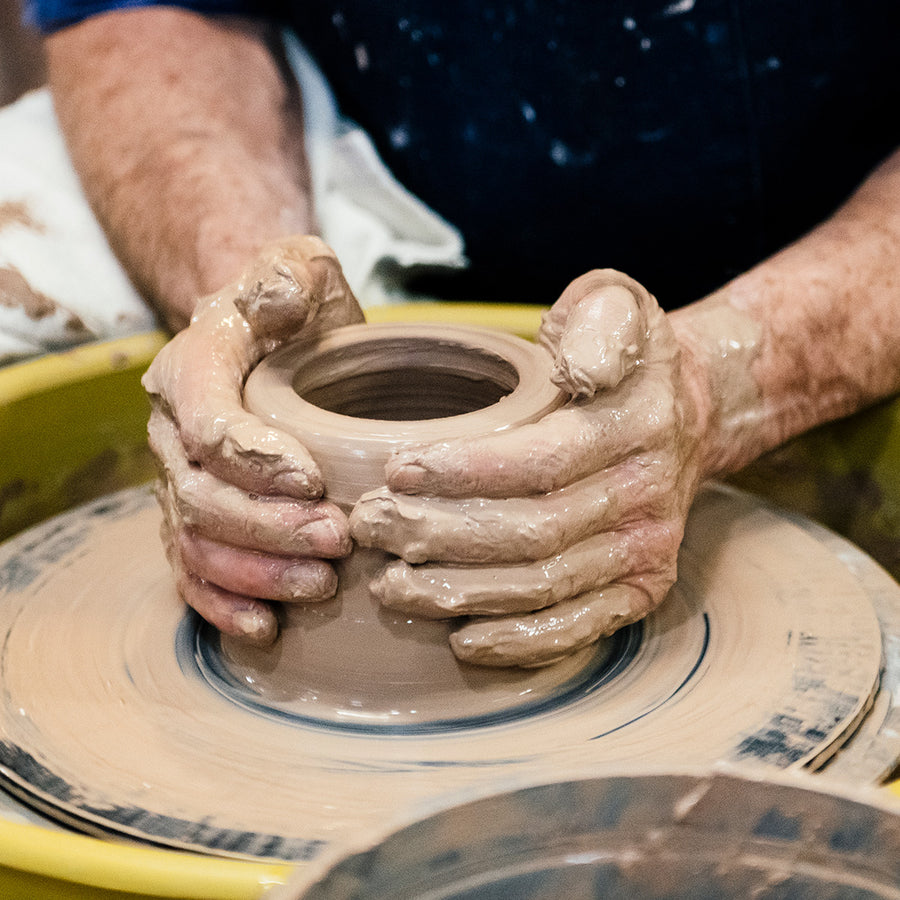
298,483
257,627
304,583
323,537
406,476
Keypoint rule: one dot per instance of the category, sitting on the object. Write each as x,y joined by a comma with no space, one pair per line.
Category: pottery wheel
768,651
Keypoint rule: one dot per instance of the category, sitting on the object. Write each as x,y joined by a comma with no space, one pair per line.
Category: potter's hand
553,534
243,518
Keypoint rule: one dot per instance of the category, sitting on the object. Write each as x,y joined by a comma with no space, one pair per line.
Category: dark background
21,63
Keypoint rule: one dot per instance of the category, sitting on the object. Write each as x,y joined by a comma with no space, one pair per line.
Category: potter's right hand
244,522
544,537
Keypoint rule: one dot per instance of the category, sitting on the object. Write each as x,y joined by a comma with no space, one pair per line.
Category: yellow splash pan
73,427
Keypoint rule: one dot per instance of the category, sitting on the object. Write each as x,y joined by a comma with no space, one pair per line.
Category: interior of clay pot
405,379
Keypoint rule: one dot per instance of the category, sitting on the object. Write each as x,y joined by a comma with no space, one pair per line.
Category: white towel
60,284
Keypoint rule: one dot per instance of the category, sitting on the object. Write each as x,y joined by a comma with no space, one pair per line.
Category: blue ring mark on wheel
196,643
704,649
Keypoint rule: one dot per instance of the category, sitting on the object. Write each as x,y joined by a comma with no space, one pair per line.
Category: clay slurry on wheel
122,733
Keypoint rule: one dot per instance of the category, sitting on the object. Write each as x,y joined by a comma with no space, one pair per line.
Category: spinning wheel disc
768,651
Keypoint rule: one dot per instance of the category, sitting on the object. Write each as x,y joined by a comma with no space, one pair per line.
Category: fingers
544,637
243,617
254,574
597,330
555,533
296,285
224,513
531,459
247,618
190,384
243,522
493,530
257,458
645,554
601,343
566,445
228,585
603,328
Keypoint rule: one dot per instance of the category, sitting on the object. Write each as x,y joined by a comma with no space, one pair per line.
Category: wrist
719,345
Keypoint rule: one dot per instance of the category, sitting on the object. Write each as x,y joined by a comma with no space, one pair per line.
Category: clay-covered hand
554,534
244,522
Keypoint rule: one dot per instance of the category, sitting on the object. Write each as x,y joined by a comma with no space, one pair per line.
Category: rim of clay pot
355,395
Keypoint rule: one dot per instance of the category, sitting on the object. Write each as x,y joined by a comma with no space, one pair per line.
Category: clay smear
16,212
17,293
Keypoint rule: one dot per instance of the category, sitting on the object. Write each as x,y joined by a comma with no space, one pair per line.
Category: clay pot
351,399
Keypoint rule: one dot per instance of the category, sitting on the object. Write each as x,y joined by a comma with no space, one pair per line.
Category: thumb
597,332
292,284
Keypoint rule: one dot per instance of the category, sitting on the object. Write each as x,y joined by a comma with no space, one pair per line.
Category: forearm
188,140
808,336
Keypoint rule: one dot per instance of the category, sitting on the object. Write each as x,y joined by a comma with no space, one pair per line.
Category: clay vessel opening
405,379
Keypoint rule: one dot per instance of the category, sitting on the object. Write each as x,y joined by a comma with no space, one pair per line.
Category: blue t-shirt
680,141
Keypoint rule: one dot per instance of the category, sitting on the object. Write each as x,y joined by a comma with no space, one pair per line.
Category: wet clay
673,837
729,341
608,334
767,652
351,399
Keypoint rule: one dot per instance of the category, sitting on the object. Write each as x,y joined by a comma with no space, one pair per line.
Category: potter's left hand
556,533
244,521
